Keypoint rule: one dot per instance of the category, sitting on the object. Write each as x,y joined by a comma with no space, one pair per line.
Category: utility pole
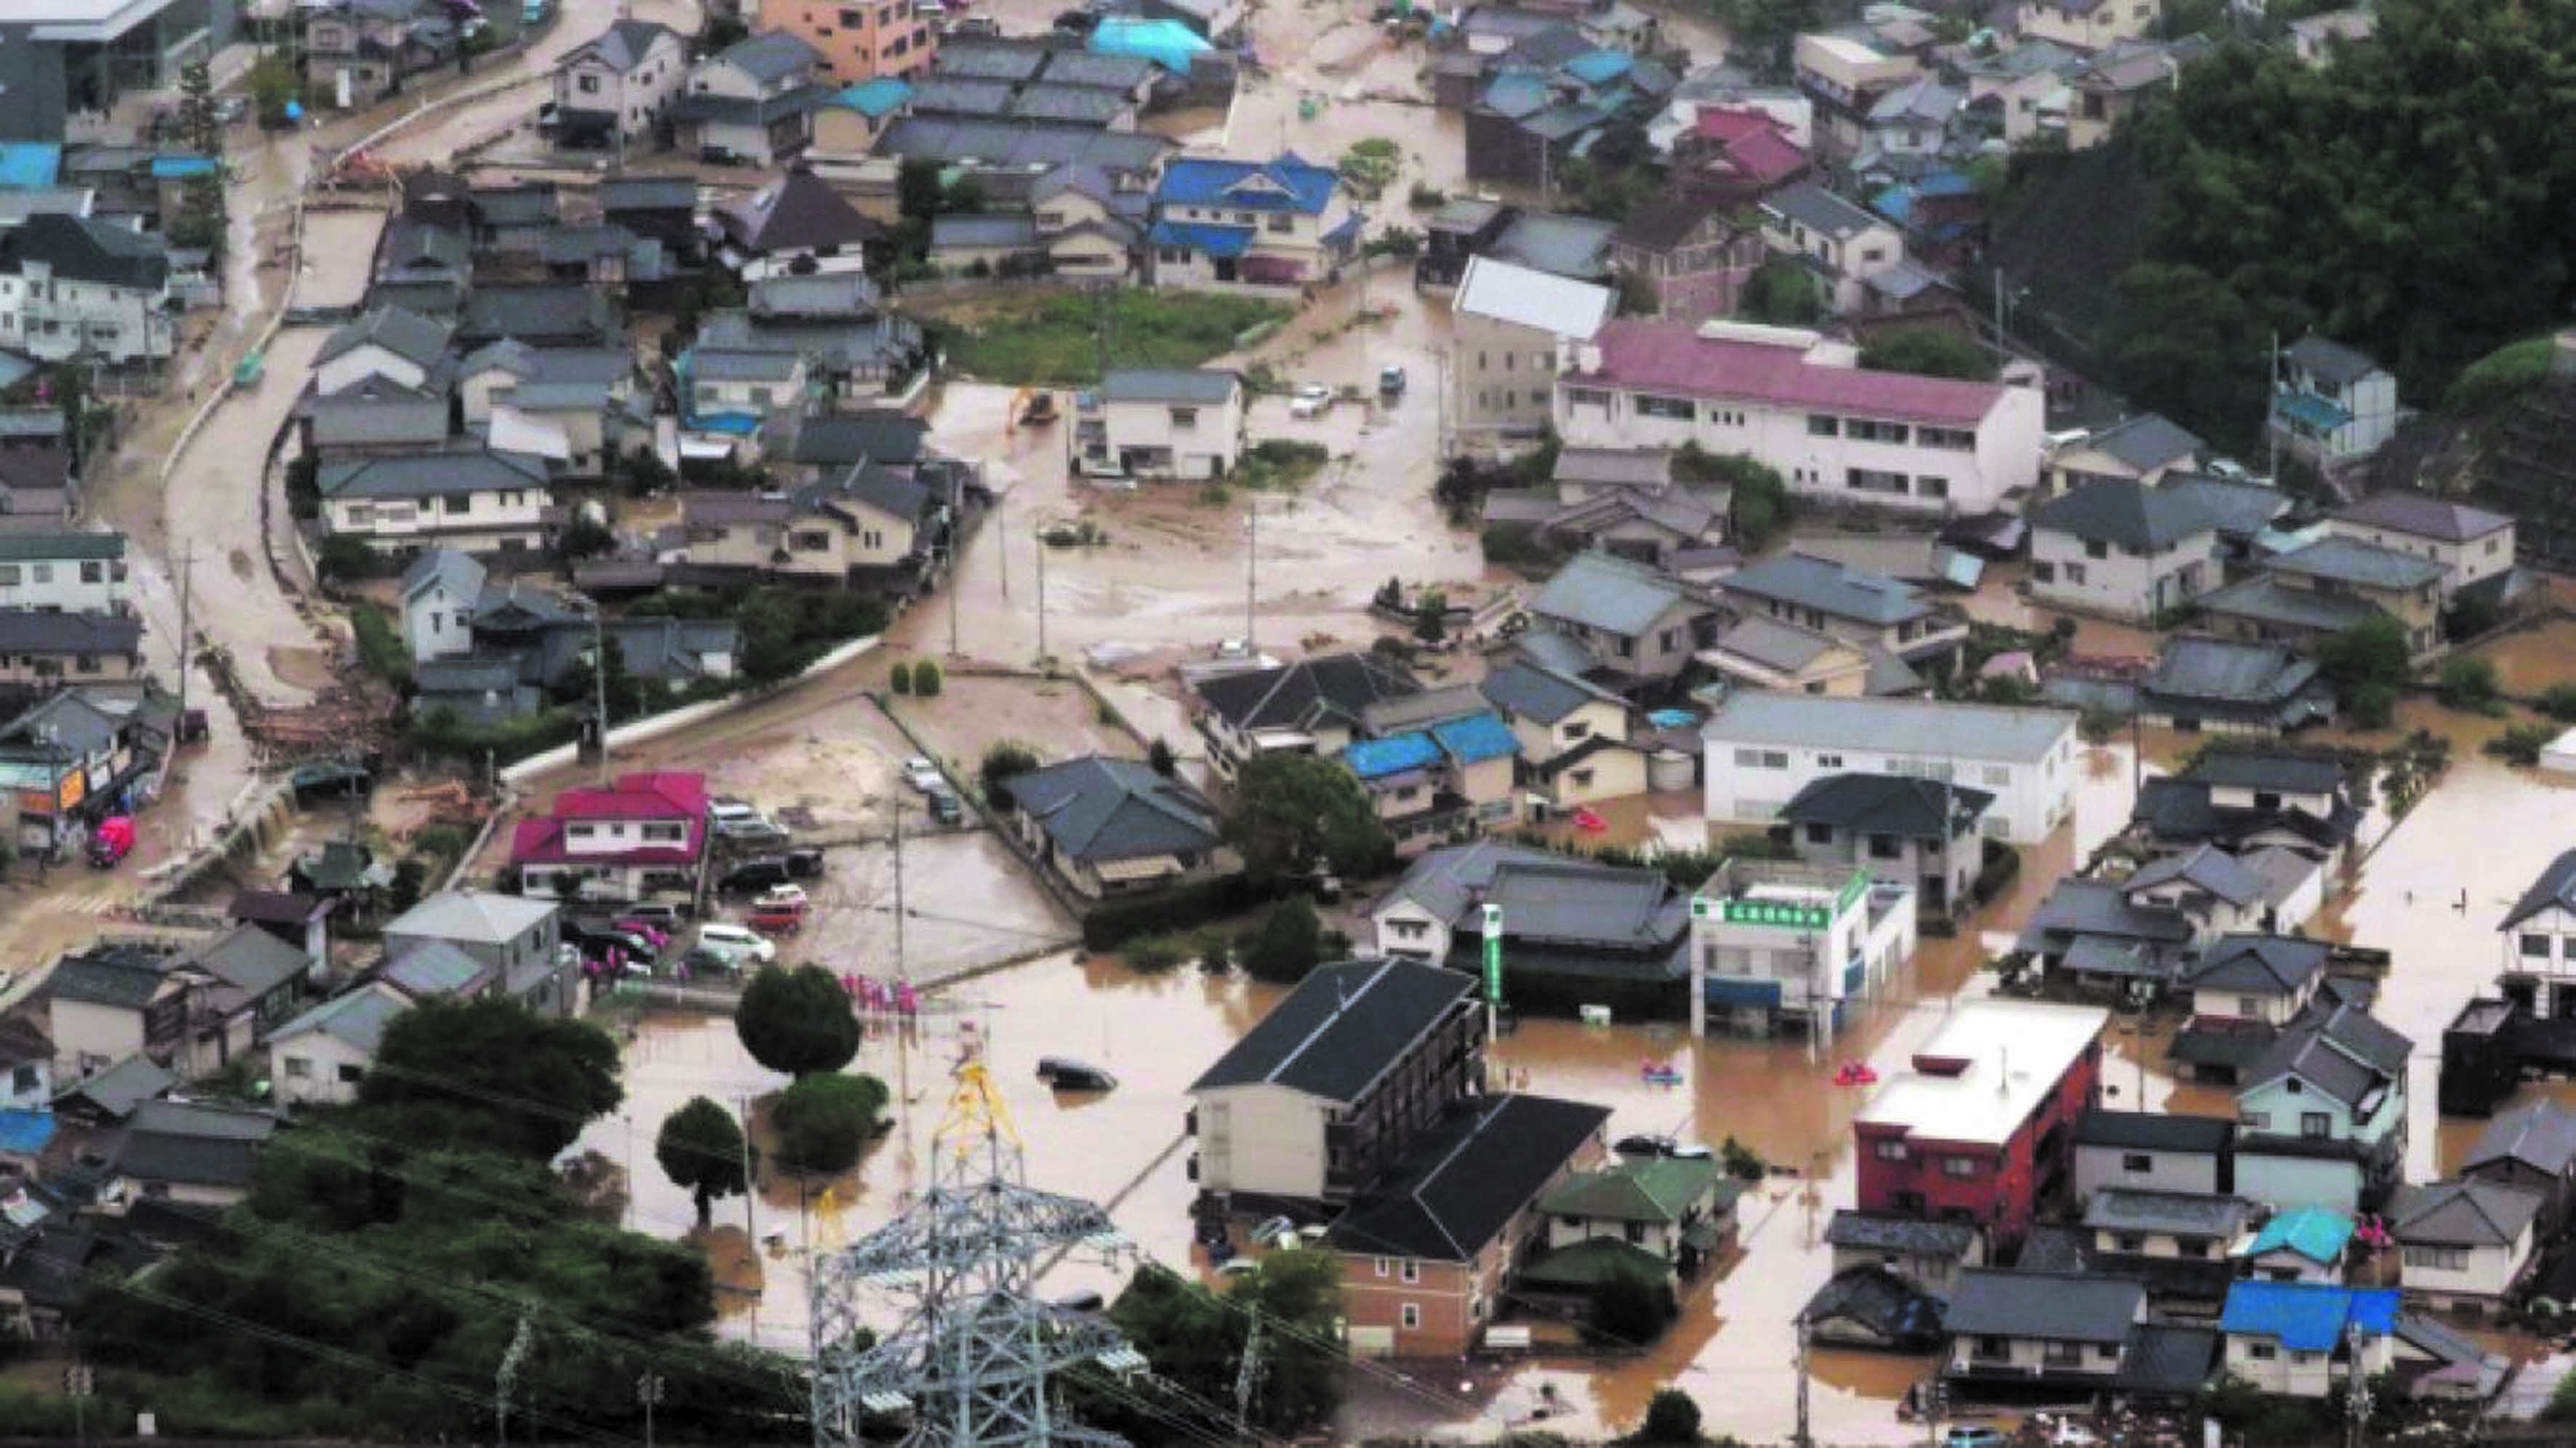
2003,328
1244,1378
1802,1438
2271,403
750,1183
80,1380
648,1391
1040,544
599,677
187,572
900,971
2356,1402
956,553
1251,565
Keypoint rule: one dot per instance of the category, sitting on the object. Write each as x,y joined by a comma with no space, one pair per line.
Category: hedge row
1184,907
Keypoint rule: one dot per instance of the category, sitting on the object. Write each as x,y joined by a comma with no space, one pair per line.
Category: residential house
81,753
2122,79
642,832
1860,608
301,921
1661,1218
2152,1150
1089,223
2308,596
1870,1306
2248,516
1429,1249
1663,529
1513,329
1843,243
870,523
2540,943
1640,626
108,1096
439,591
2269,889
1843,75
1908,125
188,1154
793,225
1551,713
518,939
1279,223
859,42
2175,1242
391,345
2246,800
1161,422
49,649
1929,1254
1330,1090
1443,782
2323,1114
1763,748
2531,1148
2059,1330
1731,156
2330,405
1309,707
251,982
1981,1127
2244,990
477,500
1774,941
615,87
361,51
752,103
2474,547
2303,1244
2085,25
2123,549
2437,1361
1549,99
318,1058
583,398
1801,404
433,968
2229,687
2020,94
1692,257
76,286
2145,449
1577,248
1108,827
1919,833
2306,1339
661,209
1760,652
2463,1244
38,492
542,315
63,572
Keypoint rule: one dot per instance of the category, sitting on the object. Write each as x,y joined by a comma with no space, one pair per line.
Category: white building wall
2097,1167
1263,1139
2297,1181
64,585
2120,583
2462,563
2031,797
319,1080
53,320
2488,1272
1204,447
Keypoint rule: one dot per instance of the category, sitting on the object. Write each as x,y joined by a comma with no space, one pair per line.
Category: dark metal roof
2054,1306
1532,691
2255,964
2268,770
2128,1209
1299,695
2363,565
2230,671
83,249
2329,362
2462,1213
2166,1358
2339,1050
1829,588
1893,1232
2554,890
2125,512
2541,1135
1341,1029
1886,804
2425,517
1100,808
1462,1181
2154,1131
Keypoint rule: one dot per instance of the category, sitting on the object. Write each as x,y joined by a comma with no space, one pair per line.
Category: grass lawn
1054,340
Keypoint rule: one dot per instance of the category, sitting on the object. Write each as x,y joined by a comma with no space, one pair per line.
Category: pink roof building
654,821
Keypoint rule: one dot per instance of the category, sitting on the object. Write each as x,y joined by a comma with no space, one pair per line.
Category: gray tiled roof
1003,230
408,335
951,140
2350,560
2267,600
2197,666
2425,517
64,544
2059,1307
1885,804
770,56
2331,363
625,43
478,917
434,968
1302,694
1829,588
1341,1028
357,1019
2154,1131
2554,889
1205,385
1099,808
368,422
2461,1213
1782,647
1920,726
2124,512
2541,1135
2339,1050
1461,1182
430,475
1533,692
1889,1232
1624,467
2146,442
2128,1209
1820,210
2257,965
1600,591
2203,867
2079,908
2237,510
28,631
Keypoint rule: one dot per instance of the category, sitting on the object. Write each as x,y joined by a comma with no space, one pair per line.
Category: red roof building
645,831
1735,155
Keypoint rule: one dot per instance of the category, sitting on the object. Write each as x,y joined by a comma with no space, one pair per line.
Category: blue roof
1289,183
1945,183
1896,203
1203,236
876,99
1475,737
2315,1233
2311,409
1167,43
29,163
177,168
24,1133
2308,1316
1396,753
1672,718
1595,67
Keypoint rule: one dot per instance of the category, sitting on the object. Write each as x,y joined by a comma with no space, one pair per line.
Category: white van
735,942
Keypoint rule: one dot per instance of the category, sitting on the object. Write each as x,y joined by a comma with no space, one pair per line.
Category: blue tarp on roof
1598,67
1289,183
1896,203
29,163
2312,410
1167,43
731,424
2307,1316
179,168
1396,753
1672,718
876,99
1202,236
2313,1232
1475,737
24,1133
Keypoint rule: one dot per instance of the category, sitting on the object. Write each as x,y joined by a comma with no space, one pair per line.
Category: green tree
701,1150
198,124
1928,352
1782,293
1195,1337
824,1122
1294,812
410,878
272,85
2558,701
1286,944
1004,759
2469,684
797,1021
1758,507
900,679
1628,1308
926,682
2371,655
917,188
1430,617
490,1074
2182,343
1671,1417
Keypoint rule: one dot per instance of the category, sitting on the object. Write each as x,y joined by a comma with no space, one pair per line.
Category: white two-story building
77,285
1788,398
2540,940
474,501
2471,544
616,86
1763,748
1161,422
63,572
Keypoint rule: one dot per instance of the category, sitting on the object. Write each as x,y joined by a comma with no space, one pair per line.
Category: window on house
298,1068
1412,1316
1994,1347
1412,1271
2129,1242
1185,417
1888,1149
1384,1266
2075,574
2063,1354
2445,1259
1820,834
2534,946
350,1075
590,85
1875,480
1961,1166
2261,1352
2315,1125
9,575
93,573
2096,548
1822,424
1679,409
43,573
1573,732
2137,1161
1579,778
1884,847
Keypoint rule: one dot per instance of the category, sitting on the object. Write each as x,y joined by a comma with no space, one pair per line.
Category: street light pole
648,1391
1039,543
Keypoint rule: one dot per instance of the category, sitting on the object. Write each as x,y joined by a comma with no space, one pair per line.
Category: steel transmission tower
976,1361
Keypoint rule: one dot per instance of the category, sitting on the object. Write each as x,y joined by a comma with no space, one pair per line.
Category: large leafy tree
824,1122
1194,1337
797,1021
1292,812
490,1074
701,1149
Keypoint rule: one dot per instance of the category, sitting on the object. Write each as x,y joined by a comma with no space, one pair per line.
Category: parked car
1273,1232
1313,399
782,897
945,808
1644,1144
651,932
1062,1073
733,942
662,915
776,922
757,873
923,775
1390,383
113,841
702,961
805,864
